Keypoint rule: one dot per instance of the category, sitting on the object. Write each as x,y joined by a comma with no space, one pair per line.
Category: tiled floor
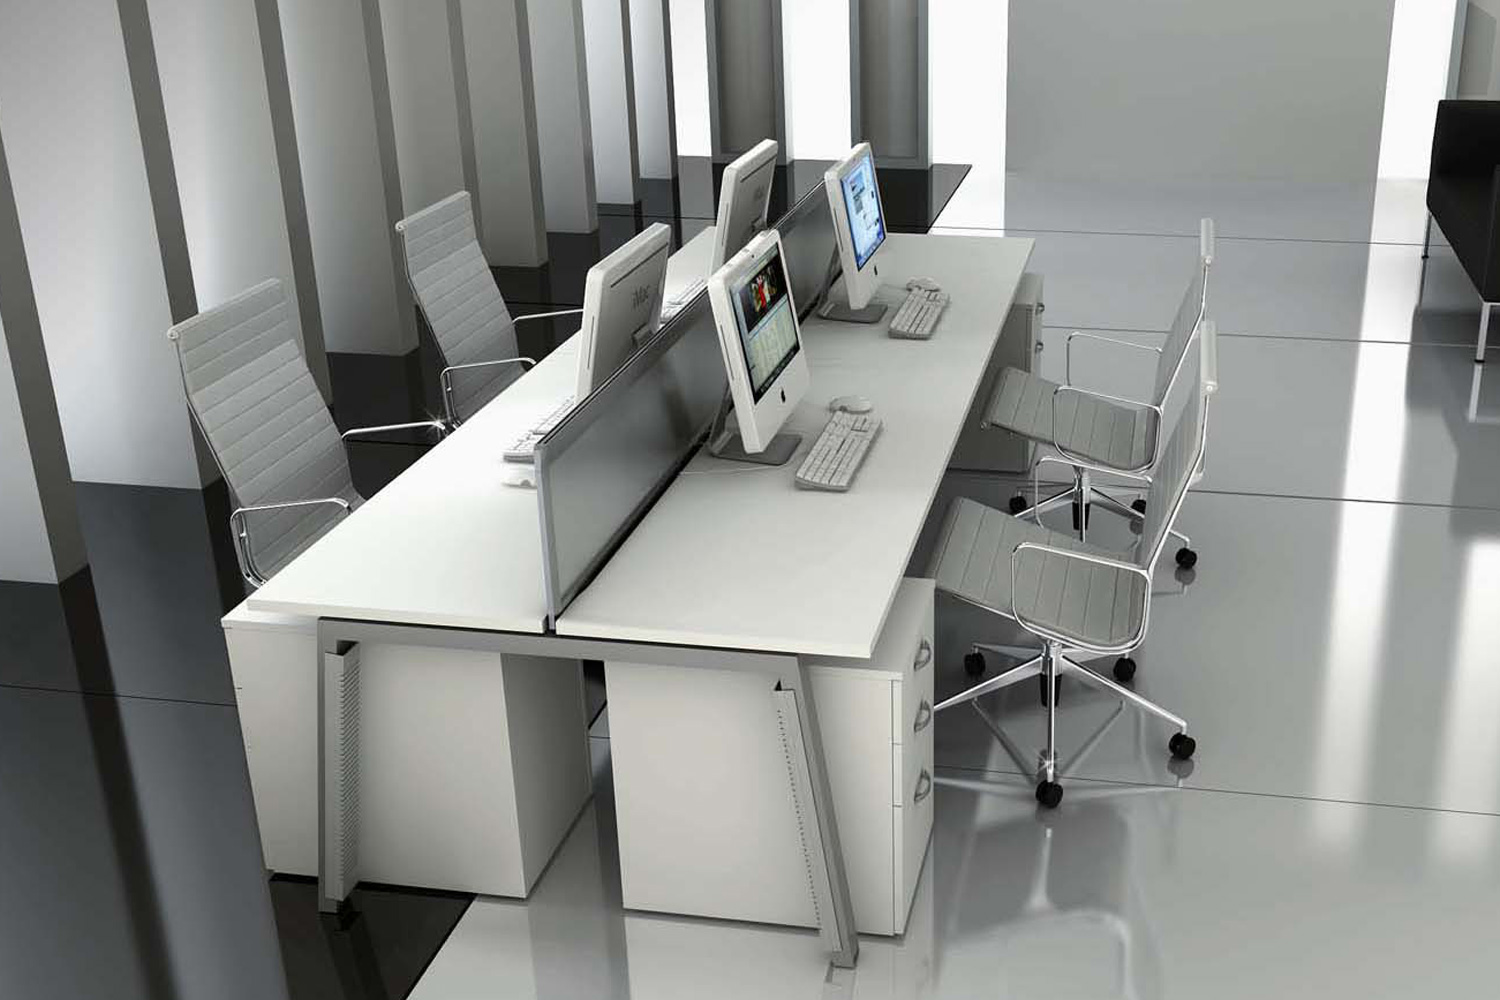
1336,650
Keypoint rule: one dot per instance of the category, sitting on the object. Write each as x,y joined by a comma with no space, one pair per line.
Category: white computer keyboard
524,450
673,305
918,315
839,452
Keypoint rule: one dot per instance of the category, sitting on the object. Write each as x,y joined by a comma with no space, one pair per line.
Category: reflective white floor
1337,653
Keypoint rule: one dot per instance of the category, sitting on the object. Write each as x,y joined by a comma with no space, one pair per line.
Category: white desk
735,556
447,556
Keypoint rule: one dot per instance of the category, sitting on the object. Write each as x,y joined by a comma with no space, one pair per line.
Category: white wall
967,40
1479,67
650,58
503,112
213,84
1285,89
332,98
91,238
564,130
424,102
690,78
611,83
815,47
1416,79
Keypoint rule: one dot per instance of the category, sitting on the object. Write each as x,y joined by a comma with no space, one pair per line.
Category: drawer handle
924,655
924,717
924,787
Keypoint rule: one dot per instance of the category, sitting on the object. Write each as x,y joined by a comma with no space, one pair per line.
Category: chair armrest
436,425
1079,459
1080,335
546,315
1466,138
239,529
445,380
1037,628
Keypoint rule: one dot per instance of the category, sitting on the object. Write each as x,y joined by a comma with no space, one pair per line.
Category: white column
655,98
40,541
359,277
562,115
692,77
815,40
424,104
232,175
611,91
109,270
502,108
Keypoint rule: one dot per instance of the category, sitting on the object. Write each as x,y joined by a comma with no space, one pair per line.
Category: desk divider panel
601,469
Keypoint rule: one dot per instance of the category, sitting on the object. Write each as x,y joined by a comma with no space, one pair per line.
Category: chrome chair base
1051,664
1068,497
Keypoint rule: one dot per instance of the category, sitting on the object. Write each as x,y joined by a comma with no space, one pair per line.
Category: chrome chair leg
1004,679
1041,507
1089,676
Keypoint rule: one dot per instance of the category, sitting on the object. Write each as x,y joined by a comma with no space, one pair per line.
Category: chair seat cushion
1107,433
1089,605
1461,205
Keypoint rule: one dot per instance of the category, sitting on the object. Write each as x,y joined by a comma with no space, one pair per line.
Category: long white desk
735,556
731,560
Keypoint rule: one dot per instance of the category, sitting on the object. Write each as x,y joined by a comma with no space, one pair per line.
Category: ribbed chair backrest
1190,314
456,293
254,398
1182,459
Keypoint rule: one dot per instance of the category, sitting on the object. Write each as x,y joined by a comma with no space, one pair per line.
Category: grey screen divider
599,471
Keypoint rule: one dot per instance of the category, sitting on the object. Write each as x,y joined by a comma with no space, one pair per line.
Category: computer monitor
859,227
622,298
762,343
744,199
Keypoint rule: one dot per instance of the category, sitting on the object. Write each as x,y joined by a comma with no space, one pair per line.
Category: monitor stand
778,452
841,312
725,443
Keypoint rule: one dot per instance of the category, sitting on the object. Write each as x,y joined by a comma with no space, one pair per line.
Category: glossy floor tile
1325,650
1126,891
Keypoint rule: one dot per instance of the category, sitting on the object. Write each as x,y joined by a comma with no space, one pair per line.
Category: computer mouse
850,404
520,476
925,284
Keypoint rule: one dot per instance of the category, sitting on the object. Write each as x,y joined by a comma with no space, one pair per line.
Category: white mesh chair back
1182,460
456,293
1190,314
255,400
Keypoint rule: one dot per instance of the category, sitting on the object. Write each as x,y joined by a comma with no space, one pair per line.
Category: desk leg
821,846
338,770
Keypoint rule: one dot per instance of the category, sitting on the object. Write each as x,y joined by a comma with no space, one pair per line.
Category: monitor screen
862,202
768,329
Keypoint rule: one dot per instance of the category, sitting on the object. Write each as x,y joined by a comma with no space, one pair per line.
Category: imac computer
859,229
762,344
744,199
622,300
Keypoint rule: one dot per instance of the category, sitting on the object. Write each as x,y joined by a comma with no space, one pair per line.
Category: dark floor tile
376,949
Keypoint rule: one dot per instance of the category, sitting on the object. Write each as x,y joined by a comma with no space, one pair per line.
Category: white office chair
1092,432
1072,595
252,396
474,331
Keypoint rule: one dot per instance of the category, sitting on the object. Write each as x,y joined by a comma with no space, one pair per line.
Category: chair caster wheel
1187,558
1017,504
1139,505
1041,683
974,664
1182,746
1049,794
1124,670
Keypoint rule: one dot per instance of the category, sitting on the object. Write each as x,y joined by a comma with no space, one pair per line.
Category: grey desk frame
788,682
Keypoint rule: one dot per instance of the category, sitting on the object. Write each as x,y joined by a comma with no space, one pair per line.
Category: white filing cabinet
705,815
472,765
989,449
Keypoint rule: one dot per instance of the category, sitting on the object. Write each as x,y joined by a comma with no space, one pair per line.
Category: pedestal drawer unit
705,814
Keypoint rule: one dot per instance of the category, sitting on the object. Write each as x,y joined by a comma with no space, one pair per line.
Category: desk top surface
448,542
732,555
736,556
